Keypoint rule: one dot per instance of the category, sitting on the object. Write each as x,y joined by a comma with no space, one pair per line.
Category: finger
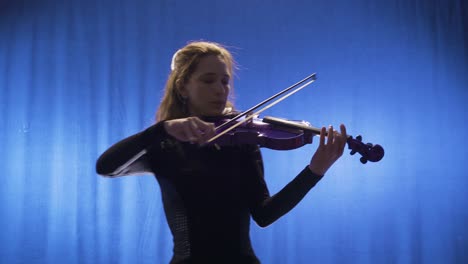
194,129
205,127
331,135
344,135
338,145
322,136
343,131
207,130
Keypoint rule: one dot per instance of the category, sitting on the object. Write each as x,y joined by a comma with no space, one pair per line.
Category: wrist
316,170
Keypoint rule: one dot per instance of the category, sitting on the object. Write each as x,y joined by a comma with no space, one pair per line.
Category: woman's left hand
328,152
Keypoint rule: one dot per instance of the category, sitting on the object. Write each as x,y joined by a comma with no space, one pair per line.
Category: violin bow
284,94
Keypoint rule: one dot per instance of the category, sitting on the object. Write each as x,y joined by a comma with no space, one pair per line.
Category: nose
221,88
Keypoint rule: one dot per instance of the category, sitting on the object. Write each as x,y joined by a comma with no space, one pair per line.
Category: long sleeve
129,156
266,209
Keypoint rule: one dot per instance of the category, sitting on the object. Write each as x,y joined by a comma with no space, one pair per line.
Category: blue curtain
77,76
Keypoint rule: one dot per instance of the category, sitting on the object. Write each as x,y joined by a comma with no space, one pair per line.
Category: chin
215,112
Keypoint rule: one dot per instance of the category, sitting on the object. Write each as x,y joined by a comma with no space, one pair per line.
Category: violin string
247,118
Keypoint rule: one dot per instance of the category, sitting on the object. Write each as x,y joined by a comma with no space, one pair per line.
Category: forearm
272,208
128,156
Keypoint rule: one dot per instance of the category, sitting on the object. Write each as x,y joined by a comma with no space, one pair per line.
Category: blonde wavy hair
184,64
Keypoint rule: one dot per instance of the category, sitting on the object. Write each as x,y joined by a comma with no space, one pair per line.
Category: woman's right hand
190,129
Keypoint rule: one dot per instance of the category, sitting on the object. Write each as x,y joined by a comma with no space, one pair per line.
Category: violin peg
353,152
363,160
359,138
370,145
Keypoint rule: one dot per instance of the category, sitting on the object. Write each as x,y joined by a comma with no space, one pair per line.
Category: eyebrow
213,73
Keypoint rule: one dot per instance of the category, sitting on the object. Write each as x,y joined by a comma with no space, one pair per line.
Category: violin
281,134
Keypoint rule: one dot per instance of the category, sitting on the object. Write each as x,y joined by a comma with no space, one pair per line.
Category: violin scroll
368,151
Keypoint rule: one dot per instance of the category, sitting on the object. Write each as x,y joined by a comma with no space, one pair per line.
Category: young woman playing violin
209,192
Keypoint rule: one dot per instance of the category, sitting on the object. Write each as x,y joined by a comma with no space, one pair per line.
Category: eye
208,80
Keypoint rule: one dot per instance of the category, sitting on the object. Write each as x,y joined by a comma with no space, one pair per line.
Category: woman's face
208,87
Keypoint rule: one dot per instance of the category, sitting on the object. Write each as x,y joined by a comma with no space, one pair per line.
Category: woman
209,193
